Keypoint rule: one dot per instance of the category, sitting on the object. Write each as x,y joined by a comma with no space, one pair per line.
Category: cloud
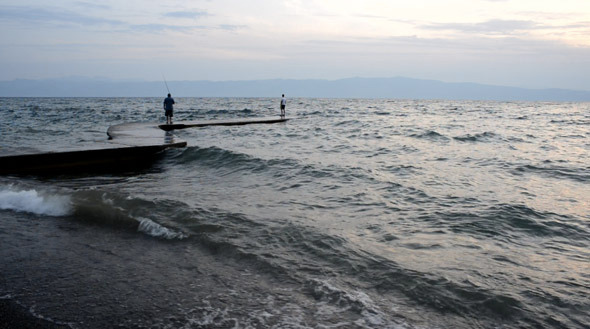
27,16
474,48
157,28
37,16
572,33
186,14
497,26
230,27
370,16
89,5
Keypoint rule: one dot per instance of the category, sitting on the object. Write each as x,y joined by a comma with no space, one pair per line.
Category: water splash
32,201
154,229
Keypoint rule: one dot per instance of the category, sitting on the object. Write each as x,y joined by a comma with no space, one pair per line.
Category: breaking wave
35,202
121,211
88,206
154,229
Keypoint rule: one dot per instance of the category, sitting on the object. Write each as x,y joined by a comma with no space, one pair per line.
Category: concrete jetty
235,122
130,145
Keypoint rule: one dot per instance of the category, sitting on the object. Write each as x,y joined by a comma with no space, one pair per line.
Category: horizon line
116,80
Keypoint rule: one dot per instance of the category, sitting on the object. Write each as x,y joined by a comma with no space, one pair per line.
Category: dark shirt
168,103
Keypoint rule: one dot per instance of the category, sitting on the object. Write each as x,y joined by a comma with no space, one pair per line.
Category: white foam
336,300
34,202
106,200
45,318
210,317
156,230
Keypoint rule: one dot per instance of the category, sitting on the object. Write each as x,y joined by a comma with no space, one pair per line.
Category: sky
521,43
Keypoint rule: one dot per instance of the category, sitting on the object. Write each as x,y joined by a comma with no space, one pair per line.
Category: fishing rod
165,83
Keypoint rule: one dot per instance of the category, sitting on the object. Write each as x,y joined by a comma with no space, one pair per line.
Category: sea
355,213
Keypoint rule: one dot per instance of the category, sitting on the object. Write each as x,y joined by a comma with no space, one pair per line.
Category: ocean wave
215,112
577,174
481,137
277,248
123,212
573,122
430,135
154,229
312,114
219,158
328,292
442,295
345,212
322,255
36,202
508,221
227,161
352,123
214,155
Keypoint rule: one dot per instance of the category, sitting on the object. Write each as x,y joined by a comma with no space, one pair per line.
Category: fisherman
168,108
283,104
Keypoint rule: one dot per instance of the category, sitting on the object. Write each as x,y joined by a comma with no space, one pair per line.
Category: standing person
283,104
168,108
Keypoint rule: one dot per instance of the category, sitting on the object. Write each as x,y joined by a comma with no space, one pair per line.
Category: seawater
357,213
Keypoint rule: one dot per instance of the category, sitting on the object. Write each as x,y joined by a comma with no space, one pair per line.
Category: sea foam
34,202
154,229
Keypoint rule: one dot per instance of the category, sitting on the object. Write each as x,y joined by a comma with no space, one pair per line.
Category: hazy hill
405,88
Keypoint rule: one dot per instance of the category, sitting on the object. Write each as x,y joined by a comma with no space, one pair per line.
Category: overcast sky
524,43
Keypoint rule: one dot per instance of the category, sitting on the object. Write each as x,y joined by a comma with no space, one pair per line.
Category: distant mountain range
398,87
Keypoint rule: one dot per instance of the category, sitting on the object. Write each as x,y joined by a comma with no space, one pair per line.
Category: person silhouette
169,108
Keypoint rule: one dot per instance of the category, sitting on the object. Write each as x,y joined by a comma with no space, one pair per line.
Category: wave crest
430,135
33,201
482,137
156,230
121,211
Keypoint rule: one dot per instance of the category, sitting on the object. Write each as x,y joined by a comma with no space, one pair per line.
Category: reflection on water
356,213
